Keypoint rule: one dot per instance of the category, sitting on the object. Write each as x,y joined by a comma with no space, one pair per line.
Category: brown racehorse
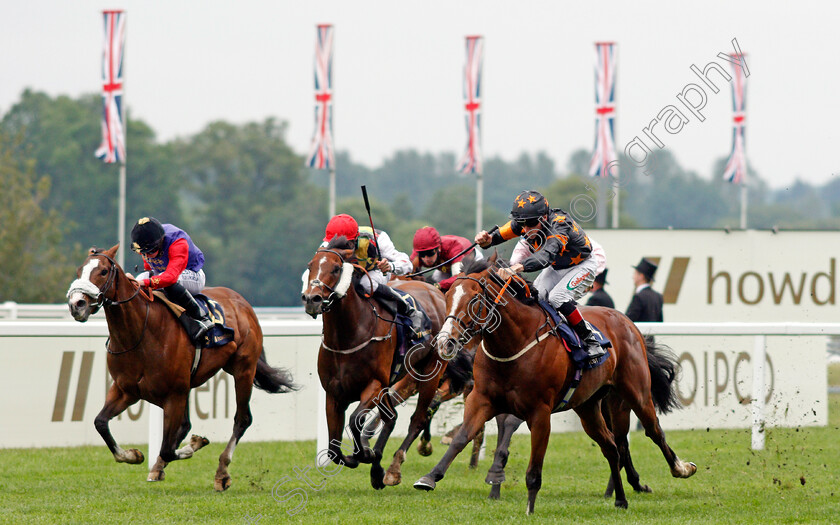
522,369
150,357
356,356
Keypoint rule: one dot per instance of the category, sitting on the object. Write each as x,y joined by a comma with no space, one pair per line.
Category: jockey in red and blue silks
174,264
432,249
553,242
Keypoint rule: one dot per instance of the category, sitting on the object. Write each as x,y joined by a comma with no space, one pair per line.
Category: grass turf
794,480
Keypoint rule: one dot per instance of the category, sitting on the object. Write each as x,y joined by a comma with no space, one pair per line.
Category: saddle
219,334
406,338
572,341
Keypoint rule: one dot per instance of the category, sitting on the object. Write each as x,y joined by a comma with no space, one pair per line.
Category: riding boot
583,329
395,304
194,321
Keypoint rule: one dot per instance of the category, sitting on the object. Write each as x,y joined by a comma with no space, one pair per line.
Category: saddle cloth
572,341
219,334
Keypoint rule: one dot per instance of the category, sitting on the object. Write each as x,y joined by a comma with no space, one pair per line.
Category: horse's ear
92,250
113,251
493,257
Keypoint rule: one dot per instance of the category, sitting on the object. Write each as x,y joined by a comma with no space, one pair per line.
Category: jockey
430,249
392,261
173,263
553,242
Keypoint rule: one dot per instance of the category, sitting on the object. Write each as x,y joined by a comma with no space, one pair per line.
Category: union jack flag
321,155
604,151
112,148
736,167
471,161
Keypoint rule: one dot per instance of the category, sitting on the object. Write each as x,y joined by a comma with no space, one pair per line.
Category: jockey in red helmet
432,249
553,242
392,261
174,264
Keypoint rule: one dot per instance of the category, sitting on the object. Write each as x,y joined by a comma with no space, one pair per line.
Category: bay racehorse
524,370
355,361
150,357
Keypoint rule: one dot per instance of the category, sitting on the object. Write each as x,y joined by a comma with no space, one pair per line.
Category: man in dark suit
599,296
646,305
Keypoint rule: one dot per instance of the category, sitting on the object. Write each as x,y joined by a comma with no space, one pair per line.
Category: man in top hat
599,296
646,305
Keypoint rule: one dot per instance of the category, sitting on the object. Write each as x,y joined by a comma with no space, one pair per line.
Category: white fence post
155,433
323,433
758,392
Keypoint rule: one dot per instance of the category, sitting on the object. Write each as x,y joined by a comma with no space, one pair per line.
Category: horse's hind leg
196,442
243,380
115,402
617,415
174,409
646,412
507,423
593,423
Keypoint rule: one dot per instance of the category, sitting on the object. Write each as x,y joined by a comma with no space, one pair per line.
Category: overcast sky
398,71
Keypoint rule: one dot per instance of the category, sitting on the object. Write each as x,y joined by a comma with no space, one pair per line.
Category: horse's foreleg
478,411
243,384
540,425
335,426
507,423
593,423
115,402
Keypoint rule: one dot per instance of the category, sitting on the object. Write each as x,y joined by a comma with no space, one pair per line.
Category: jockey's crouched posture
173,263
552,242
392,261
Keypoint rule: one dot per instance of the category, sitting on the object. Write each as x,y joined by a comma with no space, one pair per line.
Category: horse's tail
459,370
664,367
273,380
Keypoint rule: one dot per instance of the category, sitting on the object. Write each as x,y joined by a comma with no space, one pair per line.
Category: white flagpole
616,186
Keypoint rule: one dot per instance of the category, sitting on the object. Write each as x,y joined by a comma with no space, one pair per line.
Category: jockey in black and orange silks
392,261
553,242
174,264
431,249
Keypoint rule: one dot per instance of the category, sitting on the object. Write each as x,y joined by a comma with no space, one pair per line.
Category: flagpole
332,192
744,203
479,202
615,179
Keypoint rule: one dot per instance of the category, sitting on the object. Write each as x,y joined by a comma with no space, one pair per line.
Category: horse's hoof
621,503
643,488
197,442
392,479
156,475
425,483
424,448
495,492
495,478
133,457
222,484
376,475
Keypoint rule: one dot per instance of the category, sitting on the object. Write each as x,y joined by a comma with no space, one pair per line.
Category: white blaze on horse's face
82,288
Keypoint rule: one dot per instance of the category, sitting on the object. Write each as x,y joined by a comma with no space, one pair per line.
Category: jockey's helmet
426,239
147,235
529,205
342,224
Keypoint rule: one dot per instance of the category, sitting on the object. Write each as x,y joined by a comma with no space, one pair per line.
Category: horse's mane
340,243
516,288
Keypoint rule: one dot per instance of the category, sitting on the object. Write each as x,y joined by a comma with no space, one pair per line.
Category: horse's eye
103,272
336,270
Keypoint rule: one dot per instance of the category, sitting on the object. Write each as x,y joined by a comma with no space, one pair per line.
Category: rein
102,300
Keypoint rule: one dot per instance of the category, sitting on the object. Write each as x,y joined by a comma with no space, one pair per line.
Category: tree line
258,214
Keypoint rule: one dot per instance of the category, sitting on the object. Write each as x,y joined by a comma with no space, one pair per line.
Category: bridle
474,327
335,295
